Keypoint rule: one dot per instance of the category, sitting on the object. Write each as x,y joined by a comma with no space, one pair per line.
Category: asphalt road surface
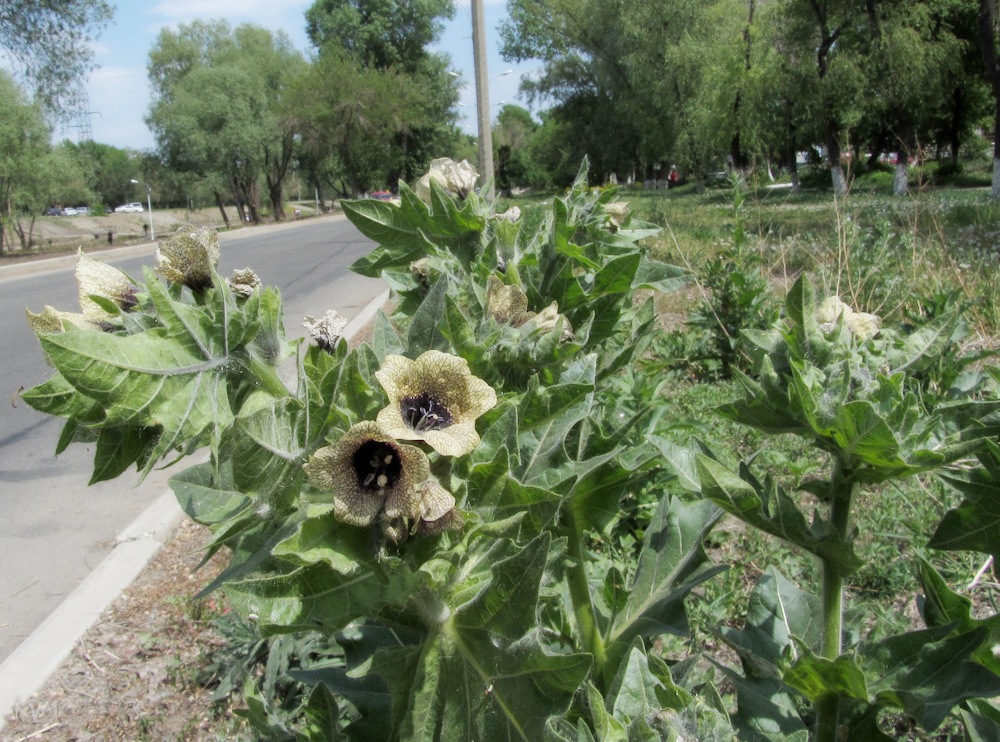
54,529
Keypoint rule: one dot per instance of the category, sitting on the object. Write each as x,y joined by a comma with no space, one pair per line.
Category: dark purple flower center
424,412
378,465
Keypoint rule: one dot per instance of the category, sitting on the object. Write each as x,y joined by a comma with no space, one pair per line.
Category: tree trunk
836,169
901,182
988,48
222,208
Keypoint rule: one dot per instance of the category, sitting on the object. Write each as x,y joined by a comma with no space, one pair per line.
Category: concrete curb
34,661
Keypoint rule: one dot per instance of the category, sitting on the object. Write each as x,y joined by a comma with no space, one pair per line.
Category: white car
132,208
70,211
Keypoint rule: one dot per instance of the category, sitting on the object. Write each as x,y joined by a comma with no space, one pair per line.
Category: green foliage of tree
988,38
24,142
391,37
110,171
379,33
719,84
218,110
512,136
350,130
50,42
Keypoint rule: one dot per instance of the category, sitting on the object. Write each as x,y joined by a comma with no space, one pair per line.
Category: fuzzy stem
267,376
833,599
583,607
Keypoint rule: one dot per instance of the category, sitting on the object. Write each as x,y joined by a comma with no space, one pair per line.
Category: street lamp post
149,206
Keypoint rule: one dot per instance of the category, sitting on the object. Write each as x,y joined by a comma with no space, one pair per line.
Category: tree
989,47
392,36
50,42
110,171
218,110
24,141
379,33
350,131
512,136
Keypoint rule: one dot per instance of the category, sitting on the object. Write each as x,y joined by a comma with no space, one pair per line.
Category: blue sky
119,91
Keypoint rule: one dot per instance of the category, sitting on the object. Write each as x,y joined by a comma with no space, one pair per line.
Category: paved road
53,528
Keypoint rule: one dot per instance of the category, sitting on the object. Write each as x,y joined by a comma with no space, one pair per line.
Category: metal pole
149,205
482,97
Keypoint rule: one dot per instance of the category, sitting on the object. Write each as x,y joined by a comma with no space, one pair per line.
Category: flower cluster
189,257
508,305
375,479
101,287
860,324
456,177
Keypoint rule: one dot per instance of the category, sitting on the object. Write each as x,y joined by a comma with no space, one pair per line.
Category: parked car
53,211
382,195
70,211
83,211
133,208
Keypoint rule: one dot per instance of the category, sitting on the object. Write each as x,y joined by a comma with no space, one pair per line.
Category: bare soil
133,674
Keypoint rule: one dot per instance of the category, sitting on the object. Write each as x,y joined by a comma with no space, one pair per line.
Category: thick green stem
583,607
267,377
833,599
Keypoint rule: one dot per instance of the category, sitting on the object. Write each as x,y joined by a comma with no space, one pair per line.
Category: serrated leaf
477,679
774,513
203,500
777,613
816,677
766,711
317,598
385,339
425,331
927,673
671,563
658,276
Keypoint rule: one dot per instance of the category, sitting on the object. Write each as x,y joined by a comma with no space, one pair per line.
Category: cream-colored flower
434,399
244,282
457,177
189,257
96,278
371,475
860,324
548,319
618,215
437,510
327,330
511,215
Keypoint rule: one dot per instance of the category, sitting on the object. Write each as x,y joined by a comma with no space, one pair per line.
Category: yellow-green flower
371,475
189,257
435,399
96,278
51,319
509,305
860,324
618,215
93,279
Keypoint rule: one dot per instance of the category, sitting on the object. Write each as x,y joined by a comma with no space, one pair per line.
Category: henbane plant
439,503
854,390
428,501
